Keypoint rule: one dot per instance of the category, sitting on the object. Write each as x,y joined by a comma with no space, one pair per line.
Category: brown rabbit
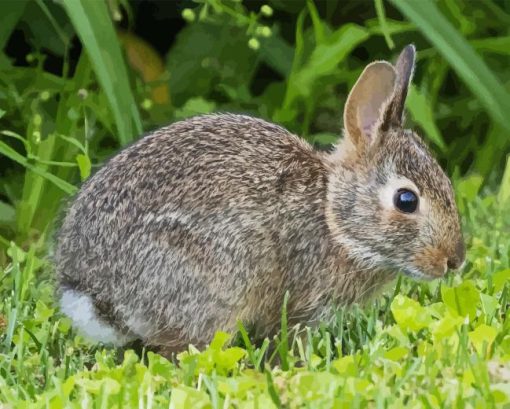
212,219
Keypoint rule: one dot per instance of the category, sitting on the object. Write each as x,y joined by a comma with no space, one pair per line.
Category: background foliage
79,79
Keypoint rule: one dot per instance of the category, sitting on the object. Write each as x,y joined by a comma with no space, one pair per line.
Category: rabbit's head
390,205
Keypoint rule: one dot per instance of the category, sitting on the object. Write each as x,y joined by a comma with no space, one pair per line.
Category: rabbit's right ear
367,103
404,68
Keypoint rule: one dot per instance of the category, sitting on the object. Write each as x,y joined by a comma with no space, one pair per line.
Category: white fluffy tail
79,308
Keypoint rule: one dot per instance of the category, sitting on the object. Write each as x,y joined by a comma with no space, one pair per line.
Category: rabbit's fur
212,219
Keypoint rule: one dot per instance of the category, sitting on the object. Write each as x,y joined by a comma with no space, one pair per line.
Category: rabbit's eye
405,200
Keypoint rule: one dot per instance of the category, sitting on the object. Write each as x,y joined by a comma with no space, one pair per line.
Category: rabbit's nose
457,260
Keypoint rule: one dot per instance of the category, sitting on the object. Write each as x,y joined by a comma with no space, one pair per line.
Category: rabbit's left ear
404,68
367,102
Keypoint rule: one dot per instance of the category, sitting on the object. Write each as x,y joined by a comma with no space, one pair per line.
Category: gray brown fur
212,219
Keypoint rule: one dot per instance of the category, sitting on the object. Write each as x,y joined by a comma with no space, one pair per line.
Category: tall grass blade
16,157
95,29
11,13
497,45
247,343
504,189
272,389
381,16
460,55
283,347
7,213
318,25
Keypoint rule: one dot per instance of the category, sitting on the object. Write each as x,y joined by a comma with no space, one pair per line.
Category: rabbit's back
218,161
193,221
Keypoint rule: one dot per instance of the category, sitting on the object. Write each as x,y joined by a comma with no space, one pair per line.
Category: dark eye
405,200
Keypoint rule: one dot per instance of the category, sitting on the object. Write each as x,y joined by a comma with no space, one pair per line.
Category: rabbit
211,220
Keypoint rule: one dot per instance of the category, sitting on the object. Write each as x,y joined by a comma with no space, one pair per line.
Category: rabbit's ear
367,103
405,68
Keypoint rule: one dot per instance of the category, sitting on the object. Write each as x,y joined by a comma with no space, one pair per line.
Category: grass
437,344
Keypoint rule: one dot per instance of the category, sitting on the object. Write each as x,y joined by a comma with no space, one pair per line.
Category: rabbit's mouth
428,264
418,274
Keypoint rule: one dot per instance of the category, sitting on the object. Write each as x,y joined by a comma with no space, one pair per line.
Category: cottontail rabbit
212,219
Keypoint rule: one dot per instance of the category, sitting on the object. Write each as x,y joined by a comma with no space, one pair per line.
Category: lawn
80,79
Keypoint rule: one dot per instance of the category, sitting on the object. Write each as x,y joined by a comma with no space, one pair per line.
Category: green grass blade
7,213
247,342
11,13
381,16
497,45
283,347
97,34
61,34
504,189
272,390
460,55
318,25
6,150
